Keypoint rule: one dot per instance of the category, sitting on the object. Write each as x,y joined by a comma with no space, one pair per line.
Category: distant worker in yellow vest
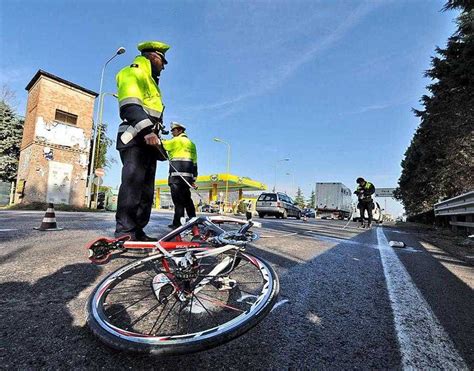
141,110
364,193
182,173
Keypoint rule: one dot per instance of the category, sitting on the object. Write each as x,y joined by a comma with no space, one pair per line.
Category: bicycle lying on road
197,289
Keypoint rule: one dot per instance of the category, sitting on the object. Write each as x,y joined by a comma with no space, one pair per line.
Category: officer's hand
152,139
194,185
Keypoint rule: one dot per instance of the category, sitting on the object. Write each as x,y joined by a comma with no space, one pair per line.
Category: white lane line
8,230
318,226
317,236
424,344
288,234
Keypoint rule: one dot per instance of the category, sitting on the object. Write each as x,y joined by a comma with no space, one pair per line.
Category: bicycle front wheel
152,306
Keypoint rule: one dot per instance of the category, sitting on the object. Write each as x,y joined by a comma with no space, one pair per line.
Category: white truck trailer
333,201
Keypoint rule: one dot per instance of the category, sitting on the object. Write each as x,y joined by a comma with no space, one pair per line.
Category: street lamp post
292,182
276,166
99,132
119,51
228,170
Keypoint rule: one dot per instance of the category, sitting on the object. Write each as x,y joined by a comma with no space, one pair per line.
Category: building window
64,117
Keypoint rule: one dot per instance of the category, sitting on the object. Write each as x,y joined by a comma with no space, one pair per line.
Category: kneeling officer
364,193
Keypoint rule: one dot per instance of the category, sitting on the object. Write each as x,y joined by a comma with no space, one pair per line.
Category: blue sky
329,84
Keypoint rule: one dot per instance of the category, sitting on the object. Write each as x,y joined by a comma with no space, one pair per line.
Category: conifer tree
299,199
438,163
311,199
11,133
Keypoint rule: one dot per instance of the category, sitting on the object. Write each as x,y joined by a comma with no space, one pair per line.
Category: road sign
99,172
98,181
384,192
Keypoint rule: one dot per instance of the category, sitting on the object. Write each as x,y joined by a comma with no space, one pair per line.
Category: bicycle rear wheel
151,306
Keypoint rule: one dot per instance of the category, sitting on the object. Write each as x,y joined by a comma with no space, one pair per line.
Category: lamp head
217,140
120,50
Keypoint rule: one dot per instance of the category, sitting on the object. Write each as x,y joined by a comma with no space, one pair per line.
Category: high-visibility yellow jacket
139,101
368,189
183,158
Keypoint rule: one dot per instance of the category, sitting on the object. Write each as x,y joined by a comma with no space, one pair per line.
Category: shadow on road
338,316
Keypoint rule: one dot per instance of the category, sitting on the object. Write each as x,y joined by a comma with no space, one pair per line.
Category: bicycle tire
125,340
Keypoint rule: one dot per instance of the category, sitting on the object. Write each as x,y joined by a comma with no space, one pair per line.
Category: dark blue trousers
135,198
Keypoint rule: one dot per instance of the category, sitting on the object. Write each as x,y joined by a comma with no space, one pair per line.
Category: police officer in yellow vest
182,173
364,193
141,110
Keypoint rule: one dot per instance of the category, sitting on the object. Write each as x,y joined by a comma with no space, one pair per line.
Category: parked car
309,213
277,204
210,209
377,215
213,207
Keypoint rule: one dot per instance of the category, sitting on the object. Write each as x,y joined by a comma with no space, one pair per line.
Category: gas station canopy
214,184
217,182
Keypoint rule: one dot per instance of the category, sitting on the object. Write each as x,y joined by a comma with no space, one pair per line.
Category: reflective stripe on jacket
136,87
369,190
183,156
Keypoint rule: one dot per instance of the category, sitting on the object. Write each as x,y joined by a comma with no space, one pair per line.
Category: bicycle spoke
220,302
241,266
131,305
143,316
164,319
158,318
190,312
125,289
210,314
134,279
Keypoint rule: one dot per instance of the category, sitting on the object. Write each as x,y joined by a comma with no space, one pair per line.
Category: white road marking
317,226
8,230
315,235
288,234
424,344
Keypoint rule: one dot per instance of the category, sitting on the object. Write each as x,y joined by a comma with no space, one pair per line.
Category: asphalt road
347,300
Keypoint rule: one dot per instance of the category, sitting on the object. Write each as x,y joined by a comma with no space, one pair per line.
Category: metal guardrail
461,206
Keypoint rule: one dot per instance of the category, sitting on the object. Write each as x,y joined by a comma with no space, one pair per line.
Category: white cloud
272,78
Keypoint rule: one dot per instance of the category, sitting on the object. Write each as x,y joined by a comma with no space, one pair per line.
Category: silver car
277,204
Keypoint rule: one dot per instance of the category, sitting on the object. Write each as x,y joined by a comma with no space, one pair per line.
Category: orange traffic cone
49,221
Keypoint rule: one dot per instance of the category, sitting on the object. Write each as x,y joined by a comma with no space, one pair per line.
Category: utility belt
137,139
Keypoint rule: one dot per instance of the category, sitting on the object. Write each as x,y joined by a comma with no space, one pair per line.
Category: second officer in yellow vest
183,171
141,110
364,193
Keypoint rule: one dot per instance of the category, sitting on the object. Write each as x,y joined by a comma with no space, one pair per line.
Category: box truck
333,201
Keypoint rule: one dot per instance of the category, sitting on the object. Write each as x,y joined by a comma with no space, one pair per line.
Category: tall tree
438,163
104,143
299,199
312,199
11,132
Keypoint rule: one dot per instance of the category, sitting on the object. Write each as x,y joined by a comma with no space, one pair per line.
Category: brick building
54,153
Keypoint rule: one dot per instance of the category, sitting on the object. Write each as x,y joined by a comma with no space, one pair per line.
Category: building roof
205,182
59,79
